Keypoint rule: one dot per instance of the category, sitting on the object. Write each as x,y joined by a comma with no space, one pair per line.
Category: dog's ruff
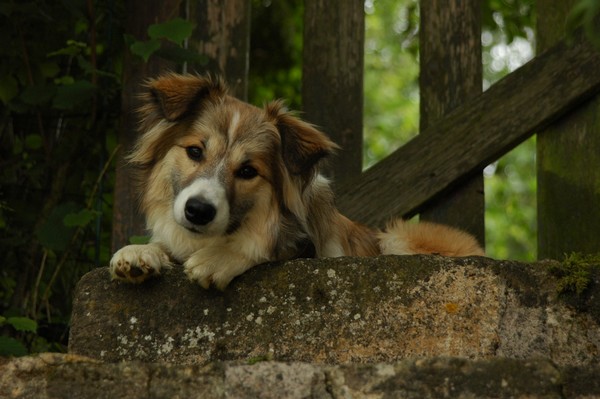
225,186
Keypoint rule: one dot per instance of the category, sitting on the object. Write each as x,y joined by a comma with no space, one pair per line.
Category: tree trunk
451,73
332,78
568,156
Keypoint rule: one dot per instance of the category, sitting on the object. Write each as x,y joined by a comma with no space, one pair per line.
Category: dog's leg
135,263
218,265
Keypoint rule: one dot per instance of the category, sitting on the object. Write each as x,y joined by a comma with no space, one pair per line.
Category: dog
226,186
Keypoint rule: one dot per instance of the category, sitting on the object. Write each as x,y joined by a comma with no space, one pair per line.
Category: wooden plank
223,35
332,78
475,134
127,221
451,73
568,162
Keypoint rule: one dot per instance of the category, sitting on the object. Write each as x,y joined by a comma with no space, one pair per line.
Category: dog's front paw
206,267
136,263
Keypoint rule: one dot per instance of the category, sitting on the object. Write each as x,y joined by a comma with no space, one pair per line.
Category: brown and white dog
226,186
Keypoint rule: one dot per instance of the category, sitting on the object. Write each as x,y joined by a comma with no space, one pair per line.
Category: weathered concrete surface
335,311
53,376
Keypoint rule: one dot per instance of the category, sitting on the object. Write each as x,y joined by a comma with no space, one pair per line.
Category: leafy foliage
510,189
175,31
276,52
58,133
10,346
391,77
585,13
60,93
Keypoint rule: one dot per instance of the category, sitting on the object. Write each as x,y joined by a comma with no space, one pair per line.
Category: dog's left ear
302,144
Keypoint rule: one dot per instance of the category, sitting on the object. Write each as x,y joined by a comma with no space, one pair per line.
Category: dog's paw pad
118,271
136,271
136,263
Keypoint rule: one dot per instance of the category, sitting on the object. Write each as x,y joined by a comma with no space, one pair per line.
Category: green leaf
139,240
81,26
49,69
8,88
17,146
68,96
35,95
79,219
53,234
6,9
175,30
11,347
22,324
71,50
145,49
129,39
34,141
64,80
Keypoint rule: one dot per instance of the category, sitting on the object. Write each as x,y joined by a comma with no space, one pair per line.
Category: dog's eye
246,172
194,153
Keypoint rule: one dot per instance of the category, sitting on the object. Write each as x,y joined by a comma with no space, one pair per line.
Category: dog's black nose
199,212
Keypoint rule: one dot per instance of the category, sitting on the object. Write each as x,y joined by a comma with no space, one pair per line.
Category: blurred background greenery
60,83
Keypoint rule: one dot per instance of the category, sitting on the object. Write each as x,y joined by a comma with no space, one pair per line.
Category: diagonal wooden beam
475,134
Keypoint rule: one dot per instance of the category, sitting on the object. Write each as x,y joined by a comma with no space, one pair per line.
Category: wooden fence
438,173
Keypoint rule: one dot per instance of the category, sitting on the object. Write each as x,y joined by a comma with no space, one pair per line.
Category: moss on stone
574,273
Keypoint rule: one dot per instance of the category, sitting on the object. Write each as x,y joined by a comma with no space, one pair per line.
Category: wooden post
451,73
127,221
223,35
568,156
332,78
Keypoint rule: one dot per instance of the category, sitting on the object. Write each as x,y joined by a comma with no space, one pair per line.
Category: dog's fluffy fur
226,186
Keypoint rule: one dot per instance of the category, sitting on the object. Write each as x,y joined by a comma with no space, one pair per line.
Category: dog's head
215,161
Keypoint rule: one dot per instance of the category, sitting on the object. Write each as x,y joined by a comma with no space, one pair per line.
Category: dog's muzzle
202,207
199,212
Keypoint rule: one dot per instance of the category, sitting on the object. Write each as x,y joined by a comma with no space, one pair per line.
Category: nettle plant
167,40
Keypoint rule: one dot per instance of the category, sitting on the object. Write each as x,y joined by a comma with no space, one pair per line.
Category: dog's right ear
174,96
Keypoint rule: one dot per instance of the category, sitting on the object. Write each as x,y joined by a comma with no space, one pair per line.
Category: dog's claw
206,274
195,274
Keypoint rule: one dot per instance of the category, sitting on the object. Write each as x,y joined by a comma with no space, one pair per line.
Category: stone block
340,310
57,376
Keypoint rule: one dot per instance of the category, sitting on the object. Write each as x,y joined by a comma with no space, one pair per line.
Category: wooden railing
477,133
